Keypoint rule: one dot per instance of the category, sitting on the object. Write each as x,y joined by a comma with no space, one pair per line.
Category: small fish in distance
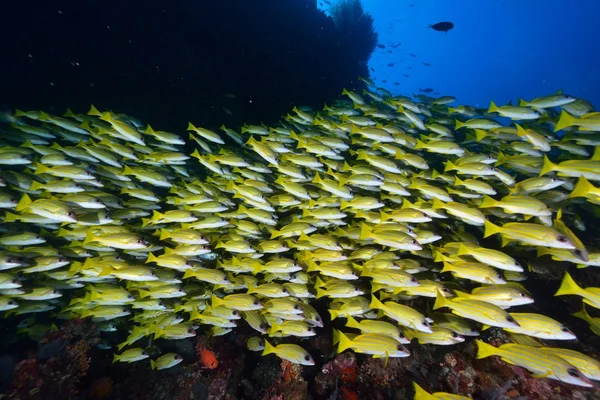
442,26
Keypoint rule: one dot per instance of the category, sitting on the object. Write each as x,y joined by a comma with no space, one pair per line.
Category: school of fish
377,205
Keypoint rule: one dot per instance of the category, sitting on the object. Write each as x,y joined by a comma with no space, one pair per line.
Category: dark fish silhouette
426,90
391,64
426,64
381,46
442,26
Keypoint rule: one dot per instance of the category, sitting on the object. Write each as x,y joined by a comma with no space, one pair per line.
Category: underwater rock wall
211,61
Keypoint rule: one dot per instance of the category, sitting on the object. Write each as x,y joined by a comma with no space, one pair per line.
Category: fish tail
334,314
10,217
583,314
352,323
486,350
565,121
151,258
568,286
376,304
440,301
487,202
269,348
582,189
421,394
520,130
490,229
365,231
94,111
493,107
344,343
447,267
480,134
215,301
449,166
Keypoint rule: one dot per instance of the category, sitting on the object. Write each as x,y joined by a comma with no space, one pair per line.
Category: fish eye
510,319
11,303
255,302
284,291
454,335
318,319
562,239
130,296
177,357
191,330
263,326
310,329
415,242
400,347
499,276
15,280
296,307
565,329
577,252
445,289
293,276
234,312
12,200
38,237
161,304
307,357
226,280
522,294
424,322
140,241
70,213
573,372
144,353
413,280
54,291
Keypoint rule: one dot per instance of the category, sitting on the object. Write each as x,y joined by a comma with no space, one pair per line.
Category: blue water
499,49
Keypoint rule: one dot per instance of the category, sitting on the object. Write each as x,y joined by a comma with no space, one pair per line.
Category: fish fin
344,343
568,286
582,189
493,107
490,229
548,166
440,301
215,301
564,121
488,202
486,350
352,323
376,304
269,348
334,314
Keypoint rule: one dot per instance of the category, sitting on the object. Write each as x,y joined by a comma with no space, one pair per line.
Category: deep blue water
499,49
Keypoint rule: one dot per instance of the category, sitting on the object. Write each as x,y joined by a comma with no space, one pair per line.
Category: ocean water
283,94
499,50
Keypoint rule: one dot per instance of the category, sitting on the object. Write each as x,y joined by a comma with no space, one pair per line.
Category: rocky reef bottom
68,363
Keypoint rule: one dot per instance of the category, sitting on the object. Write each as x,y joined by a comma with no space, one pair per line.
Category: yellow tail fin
568,286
